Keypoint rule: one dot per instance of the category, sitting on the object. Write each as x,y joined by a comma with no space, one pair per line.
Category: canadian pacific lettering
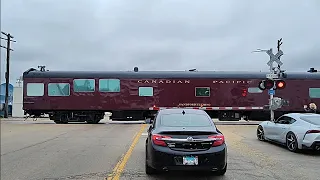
152,81
230,82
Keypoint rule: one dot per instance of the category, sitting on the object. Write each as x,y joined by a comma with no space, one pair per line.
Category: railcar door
174,93
34,97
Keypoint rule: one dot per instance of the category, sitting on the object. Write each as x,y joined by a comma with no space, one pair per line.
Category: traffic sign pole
271,111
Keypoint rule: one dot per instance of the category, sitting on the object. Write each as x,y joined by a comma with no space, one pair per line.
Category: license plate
190,160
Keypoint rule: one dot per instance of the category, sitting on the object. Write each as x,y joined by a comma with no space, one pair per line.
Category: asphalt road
44,150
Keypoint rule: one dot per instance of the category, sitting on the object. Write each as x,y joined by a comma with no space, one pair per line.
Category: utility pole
8,38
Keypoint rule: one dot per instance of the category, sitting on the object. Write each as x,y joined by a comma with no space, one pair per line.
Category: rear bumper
163,158
314,146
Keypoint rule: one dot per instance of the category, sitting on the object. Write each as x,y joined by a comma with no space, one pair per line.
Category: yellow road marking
118,169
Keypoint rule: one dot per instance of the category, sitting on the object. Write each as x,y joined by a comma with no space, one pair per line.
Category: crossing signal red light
244,92
280,84
269,84
266,84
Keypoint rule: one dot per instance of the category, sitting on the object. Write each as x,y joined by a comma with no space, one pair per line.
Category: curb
126,122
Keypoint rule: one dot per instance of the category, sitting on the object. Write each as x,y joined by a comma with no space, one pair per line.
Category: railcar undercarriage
131,115
94,117
64,117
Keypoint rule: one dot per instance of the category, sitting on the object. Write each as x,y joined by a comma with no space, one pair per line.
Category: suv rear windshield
315,120
187,120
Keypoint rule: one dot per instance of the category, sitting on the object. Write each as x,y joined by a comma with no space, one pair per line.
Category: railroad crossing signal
274,58
19,81
272,84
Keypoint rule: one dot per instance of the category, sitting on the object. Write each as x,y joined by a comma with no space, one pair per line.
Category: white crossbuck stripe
274,58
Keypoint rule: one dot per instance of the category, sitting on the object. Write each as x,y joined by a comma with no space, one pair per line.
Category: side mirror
149,121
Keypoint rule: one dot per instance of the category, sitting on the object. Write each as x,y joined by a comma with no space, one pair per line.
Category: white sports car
294,130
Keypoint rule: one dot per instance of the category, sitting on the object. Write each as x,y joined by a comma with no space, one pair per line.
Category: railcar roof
163,74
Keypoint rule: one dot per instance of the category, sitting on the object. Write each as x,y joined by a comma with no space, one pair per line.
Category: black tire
291,142
149,170
260,133
223,171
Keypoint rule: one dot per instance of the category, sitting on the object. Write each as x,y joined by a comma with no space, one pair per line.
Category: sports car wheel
260,133
291,142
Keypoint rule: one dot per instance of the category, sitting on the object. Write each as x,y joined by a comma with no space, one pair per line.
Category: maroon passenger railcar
85,96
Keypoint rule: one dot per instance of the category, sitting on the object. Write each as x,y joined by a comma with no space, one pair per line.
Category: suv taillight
218,140
313,131
157,139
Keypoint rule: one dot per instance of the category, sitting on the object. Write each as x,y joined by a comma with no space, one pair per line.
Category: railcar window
109,85
254,90
314,92
58,89
202,92
145,91
35,89
83,85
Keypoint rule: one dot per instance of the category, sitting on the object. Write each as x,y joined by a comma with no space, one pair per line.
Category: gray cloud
160,35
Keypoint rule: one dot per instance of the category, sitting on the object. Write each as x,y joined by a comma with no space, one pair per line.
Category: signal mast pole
274,73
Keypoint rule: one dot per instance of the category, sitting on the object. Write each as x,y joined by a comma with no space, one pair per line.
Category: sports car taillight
313,131
218,140
157,139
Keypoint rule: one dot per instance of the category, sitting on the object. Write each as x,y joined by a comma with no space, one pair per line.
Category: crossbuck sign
274,58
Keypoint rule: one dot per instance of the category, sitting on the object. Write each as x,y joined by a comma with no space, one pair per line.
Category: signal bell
269,84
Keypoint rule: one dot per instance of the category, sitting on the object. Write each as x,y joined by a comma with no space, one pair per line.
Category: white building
17,102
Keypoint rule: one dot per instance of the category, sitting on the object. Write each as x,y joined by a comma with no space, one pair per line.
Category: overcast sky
159,34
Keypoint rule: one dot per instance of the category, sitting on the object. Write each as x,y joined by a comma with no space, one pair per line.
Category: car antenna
183,112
